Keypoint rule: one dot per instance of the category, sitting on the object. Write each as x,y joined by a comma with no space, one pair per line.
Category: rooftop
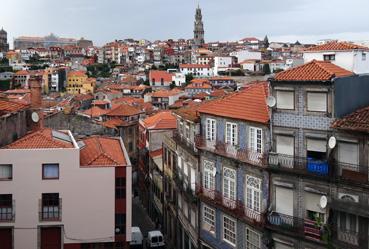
248,104
160,121
45,138
313,71
101,152
336,46
356,121
124,110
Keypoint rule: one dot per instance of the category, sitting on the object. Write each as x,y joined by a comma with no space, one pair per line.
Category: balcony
351,172
184,186
231,151
306,228
300,165
7,211
184,143
50,209
234,207
350,206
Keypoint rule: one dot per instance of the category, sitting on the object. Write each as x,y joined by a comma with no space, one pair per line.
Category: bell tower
198,31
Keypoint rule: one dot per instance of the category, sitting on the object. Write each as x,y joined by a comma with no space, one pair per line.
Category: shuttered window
284,200
317,145
285,145
348,153
316,102
285,100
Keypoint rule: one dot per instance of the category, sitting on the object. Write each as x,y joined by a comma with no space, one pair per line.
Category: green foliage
172,85
4,85
99,70
5,69
189,77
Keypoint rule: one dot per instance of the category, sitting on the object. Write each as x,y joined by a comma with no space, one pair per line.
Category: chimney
36,100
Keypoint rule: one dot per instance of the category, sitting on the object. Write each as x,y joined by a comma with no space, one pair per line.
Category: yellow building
78,82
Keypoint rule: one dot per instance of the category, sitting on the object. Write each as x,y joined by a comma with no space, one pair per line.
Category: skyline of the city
101,23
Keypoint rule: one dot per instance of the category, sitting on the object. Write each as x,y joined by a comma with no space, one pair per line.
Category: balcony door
6,238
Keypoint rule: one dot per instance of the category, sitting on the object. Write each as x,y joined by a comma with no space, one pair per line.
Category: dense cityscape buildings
185,144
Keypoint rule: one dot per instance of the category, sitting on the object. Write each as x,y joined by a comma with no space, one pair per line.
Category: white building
246,55
349,56
222,63
197,70
63,193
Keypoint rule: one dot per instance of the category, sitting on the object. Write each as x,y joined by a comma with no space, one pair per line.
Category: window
120,223
317,102
285,145
6,171
130,147
231,133
348,153
256,139
229,183
208,218
50,206
329,57
229,230
363,56
120,188
253,193
209,175
193,218
188,132
285,100
252,239
50,171
210,129
6,207
316,149
348,222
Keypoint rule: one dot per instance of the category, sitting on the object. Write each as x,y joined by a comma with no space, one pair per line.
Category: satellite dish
332,142
35,117
323,202
271,101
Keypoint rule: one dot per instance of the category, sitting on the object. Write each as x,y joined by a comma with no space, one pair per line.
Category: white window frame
211,129
229,183
252,243
231,133
208,215
209,175
256,139
227,230
253,193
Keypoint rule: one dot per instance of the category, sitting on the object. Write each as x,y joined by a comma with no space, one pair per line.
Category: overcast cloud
106,20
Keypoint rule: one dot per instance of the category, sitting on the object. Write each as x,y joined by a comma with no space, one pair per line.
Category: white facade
356,61
197,71
83,217
179,79
246,55
222,62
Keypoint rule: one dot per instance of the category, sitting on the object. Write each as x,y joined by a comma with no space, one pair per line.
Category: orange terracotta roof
190,112
313,71
158,75
99,102
194,66
156,153
200,80
95,112
124,110
128,100
166,93
82,97
356,121
199,86
22,72
114,123
42,139
10,106
220,78
248,104
160,121
102,152
77,74
336,46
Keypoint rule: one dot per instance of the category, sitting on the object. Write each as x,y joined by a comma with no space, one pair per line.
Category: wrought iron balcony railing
50,210
232,151
7,210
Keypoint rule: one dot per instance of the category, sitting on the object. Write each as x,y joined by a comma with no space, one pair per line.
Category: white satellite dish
271,101
323,202
332,142
35,117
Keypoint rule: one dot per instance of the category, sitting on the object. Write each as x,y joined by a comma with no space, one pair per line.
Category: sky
224,20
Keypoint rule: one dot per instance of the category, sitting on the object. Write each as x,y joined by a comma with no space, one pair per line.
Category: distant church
198,32
4,46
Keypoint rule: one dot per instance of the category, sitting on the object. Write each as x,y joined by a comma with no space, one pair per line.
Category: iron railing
234,206
184,142
50,209
7,208
306,228
300,165
232,151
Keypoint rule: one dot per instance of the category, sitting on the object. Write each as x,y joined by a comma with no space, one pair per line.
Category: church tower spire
198,31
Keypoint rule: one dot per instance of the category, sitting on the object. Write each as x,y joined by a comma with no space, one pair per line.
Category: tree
266,42
189,77
266,69
172,85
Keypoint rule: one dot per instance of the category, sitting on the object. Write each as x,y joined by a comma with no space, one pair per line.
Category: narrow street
140,217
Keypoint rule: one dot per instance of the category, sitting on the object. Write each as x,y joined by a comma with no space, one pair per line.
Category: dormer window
329,57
